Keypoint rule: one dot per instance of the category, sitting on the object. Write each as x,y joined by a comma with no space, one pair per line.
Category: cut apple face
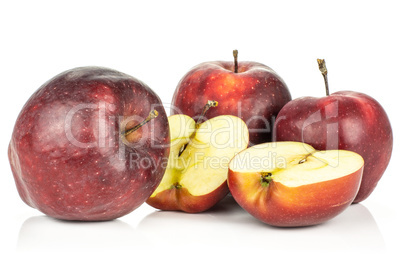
292,184
196,175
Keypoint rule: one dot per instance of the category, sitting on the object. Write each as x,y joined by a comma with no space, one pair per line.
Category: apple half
196,175
291,184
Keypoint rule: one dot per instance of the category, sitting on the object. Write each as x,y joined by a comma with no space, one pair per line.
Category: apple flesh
344,120
69,152
290,184
255,93
195,178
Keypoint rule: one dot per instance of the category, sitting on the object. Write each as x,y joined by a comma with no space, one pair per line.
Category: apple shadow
229,224
43,233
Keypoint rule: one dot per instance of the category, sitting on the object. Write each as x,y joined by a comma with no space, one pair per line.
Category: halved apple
196,175
292,184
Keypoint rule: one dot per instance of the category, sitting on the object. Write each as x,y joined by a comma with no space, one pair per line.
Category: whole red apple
342,120
249,90
83,147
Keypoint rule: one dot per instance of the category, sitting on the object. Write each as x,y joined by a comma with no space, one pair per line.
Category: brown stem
199,121
153,114
324,72
305,158
210,103
236,65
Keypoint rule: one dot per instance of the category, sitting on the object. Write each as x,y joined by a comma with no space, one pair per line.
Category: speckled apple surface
67,154
255,94
344,120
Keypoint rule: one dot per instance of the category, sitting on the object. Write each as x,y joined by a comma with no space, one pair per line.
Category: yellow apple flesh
291,184
196,175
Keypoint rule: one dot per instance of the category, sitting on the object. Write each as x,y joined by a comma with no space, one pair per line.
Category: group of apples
93,144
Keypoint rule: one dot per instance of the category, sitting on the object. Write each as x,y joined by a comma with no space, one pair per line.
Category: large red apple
291,184
342,120
249,90
81,148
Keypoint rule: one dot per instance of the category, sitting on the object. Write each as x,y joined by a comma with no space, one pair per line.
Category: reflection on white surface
42,233
233,227
227,223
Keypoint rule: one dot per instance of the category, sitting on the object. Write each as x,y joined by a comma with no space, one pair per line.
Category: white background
158,42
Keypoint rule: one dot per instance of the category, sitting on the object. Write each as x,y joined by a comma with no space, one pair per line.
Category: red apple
290,184
195,178
81,148
249,90
343,120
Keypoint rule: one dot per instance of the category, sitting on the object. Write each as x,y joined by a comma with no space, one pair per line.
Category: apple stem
236,65
304,159
182,149
324,72
153,114
210,103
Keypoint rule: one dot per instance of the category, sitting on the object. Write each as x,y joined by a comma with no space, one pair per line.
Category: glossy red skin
69,181
283,206
182,200
354,121
255,94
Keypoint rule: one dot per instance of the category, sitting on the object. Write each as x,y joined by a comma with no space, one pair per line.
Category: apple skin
282,206
90,175
344,120
182,200
176,194
255,94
